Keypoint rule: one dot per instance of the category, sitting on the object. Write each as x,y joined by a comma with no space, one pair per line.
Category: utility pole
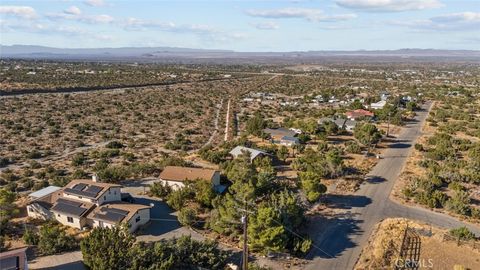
388,125
245,238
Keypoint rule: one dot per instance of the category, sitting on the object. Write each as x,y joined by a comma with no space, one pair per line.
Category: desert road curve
339,245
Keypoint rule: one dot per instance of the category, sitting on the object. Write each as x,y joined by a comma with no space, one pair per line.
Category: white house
73,204
378,105
289,141
175,176
254,153
113,214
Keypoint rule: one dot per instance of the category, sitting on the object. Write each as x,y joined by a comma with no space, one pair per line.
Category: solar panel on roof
68,209
81,193
111,214
115,210
80,186
72,203
93,189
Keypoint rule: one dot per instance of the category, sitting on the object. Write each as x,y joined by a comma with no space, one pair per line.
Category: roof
116,212
13,252
71,207
237,151
88,188
176,173
325,119
359,113
43,192
48,200
280,132
381,103
291,139
350,123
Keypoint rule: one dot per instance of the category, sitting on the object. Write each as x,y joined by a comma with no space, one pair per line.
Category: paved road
338,245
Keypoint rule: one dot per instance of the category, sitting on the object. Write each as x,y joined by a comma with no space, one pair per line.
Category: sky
284,25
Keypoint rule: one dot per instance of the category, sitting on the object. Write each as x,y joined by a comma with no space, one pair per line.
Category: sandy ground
435,252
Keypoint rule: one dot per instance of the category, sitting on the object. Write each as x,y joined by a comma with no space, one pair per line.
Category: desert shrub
187,216
30,237
462,233
53,240
114,145
160,190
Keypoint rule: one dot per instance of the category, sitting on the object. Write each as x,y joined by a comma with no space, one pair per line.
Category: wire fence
472,243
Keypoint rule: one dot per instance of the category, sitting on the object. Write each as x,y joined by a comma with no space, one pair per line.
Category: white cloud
139,24
464,17
97,19
266,25
389,5
19,11
73,10
463,21
316,15
95,3
74,13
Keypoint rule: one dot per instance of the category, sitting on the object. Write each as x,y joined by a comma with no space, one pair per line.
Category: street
339,244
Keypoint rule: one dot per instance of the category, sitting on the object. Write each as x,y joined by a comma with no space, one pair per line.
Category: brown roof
129,207
175,173
359,113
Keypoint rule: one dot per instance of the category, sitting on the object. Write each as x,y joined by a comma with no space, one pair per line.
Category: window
104,198
137,219
58,215
115,193
79,197
70,219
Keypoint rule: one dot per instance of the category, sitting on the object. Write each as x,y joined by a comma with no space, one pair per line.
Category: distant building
175,176
289,141
254,153
378,105
15,259
355,114
341,123
72,204
276,134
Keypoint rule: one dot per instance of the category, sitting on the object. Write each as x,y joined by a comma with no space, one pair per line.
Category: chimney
95,178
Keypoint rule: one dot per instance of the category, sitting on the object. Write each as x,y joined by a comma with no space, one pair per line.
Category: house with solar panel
87,203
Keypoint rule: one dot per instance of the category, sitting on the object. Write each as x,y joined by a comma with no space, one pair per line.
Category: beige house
175,176
75,205
112,214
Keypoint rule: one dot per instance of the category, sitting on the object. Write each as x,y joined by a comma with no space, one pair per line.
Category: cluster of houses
89,203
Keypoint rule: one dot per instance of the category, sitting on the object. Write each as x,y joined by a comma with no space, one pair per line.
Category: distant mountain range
169,54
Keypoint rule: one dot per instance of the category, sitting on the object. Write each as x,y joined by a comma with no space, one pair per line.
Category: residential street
338,245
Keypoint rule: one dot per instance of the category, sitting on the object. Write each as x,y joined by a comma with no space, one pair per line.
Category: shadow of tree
161,215
336,238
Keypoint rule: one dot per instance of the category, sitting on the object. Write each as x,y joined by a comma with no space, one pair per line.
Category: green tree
160,190
187,216
108,248
7,208
282,153
53,239
265,232
255,125
367,133
204,193
312,186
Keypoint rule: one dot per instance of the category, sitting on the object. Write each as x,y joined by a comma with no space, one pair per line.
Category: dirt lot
435,252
